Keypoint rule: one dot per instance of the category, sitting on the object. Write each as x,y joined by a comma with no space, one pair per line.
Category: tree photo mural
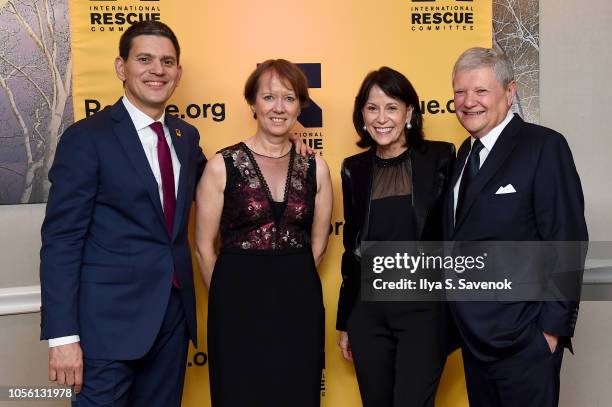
35,98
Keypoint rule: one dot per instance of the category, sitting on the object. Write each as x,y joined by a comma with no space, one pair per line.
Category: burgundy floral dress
265,313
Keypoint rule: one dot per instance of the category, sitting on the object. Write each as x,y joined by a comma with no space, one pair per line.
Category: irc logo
312,115
109,16
426,16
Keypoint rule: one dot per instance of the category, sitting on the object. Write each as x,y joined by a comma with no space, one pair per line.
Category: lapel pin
178,132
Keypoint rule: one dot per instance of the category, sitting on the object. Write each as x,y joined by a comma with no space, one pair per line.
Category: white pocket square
508,189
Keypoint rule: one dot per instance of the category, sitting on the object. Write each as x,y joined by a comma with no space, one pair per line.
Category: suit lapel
361,181
498,155
464,150
179,142
421,184
128,138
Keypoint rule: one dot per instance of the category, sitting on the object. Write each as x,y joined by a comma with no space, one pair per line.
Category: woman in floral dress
272,207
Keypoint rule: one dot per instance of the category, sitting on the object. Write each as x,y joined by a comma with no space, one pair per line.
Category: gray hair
478,57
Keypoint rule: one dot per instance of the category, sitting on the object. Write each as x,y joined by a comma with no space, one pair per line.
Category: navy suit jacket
106,258
548,206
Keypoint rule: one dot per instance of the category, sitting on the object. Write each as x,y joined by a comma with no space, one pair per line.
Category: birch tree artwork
35,97
516,30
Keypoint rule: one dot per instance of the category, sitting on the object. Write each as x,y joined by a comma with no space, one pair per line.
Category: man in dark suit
513,181
118,303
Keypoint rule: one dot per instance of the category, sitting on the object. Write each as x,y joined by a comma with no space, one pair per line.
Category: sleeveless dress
265,313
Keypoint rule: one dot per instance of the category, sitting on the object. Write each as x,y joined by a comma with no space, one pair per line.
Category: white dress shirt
148,139
488,141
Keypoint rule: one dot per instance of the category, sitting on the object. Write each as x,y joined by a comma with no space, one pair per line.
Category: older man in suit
513,181
118,303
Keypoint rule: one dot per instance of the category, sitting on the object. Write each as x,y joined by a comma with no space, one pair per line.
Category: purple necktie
167,176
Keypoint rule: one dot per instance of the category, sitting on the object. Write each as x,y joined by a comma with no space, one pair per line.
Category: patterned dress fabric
265,313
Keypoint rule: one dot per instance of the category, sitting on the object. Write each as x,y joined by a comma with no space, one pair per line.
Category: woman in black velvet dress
392,192
272,207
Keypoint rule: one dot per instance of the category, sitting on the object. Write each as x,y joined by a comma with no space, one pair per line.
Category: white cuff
64,340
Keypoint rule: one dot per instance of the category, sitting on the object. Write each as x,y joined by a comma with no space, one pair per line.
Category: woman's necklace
270,156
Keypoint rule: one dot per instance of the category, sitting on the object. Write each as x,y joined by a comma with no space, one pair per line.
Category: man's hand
345,346
552,341
66,365
300,147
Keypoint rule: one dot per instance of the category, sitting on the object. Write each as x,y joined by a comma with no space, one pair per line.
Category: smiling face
385,119
150,73
481,101
276,106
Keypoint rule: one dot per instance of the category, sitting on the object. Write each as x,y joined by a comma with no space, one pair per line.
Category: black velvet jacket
431,163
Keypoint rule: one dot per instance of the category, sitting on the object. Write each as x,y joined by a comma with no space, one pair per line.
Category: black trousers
397,352
155,380
529,378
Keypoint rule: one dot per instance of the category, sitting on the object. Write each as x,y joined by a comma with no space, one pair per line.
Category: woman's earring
365,128
408,126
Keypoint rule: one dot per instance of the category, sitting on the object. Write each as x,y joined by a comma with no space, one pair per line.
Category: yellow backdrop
222,41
